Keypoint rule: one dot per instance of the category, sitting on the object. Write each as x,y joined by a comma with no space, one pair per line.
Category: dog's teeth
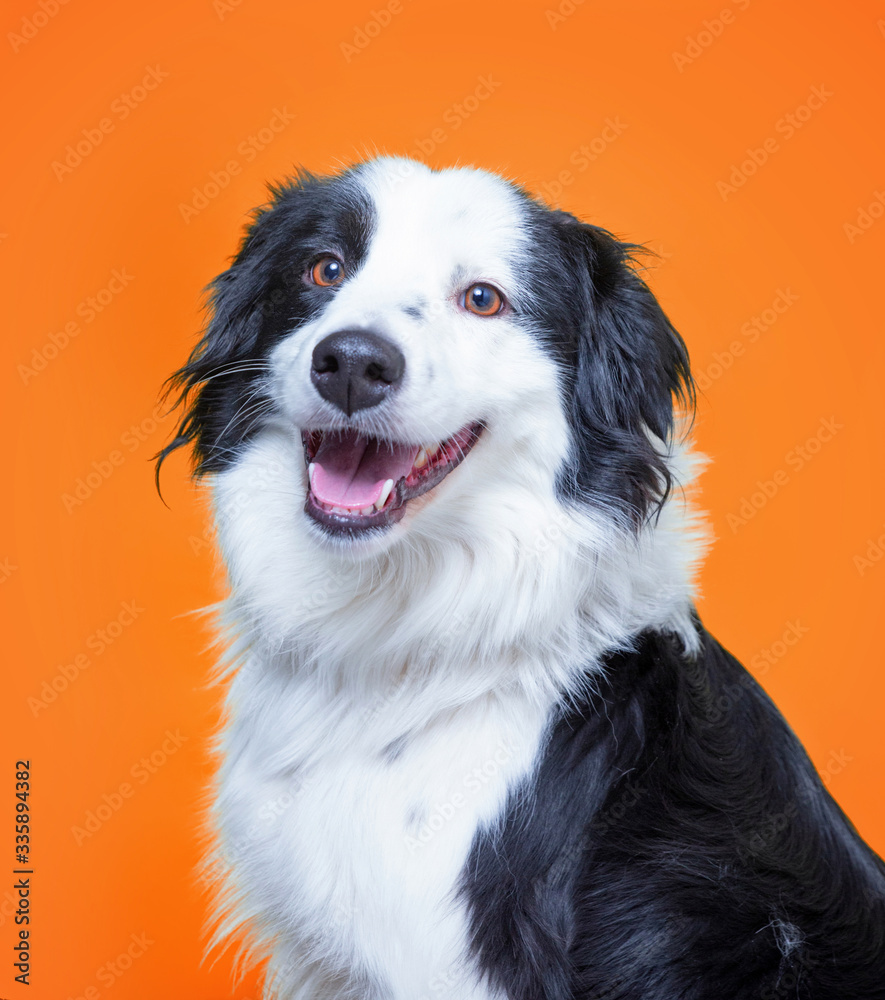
367,510
385,493
310,471
422,458
340,510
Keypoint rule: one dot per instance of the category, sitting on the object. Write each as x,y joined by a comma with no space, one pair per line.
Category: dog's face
418,349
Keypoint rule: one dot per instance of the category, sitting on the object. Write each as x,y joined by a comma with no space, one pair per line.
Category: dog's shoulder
671,804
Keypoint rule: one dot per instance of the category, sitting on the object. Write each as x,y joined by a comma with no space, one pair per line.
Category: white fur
386,695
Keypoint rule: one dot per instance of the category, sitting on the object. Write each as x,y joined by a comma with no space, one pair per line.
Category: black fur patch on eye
257,302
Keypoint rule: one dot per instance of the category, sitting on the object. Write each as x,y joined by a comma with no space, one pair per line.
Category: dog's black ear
208,387
627,368
254,304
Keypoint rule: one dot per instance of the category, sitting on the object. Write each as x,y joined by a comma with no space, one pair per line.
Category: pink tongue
350,470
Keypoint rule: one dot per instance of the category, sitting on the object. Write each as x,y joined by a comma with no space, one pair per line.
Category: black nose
356,369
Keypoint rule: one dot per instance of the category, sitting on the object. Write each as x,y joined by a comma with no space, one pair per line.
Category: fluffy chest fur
368,748
366,754
354,843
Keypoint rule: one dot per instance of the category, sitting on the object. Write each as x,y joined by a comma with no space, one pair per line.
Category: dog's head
423,349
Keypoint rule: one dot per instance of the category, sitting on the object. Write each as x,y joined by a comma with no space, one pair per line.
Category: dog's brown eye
327,271
483,300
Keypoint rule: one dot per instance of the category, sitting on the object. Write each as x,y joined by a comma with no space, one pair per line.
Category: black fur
623,363
258,301
676,842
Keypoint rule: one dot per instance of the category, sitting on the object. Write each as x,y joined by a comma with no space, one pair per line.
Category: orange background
70,567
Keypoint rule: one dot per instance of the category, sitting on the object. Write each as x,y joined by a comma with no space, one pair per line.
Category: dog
478,743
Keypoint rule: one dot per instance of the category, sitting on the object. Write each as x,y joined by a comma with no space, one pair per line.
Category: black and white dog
478,744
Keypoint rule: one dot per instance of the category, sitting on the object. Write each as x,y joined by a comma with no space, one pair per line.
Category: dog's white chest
361,851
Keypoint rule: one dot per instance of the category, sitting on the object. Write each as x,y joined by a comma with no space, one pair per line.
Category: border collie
477,743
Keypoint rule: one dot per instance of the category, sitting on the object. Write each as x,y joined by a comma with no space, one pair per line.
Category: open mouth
359,482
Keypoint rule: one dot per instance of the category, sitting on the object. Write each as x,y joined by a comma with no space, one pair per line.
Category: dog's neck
519,603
